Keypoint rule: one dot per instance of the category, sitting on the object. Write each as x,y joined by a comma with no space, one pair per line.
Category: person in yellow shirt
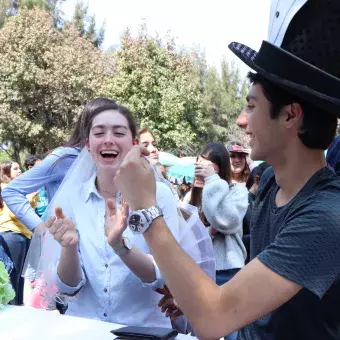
16,235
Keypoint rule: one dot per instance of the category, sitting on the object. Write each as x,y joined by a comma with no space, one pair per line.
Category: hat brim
324,102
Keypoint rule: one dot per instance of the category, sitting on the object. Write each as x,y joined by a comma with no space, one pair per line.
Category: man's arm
216,311
213,311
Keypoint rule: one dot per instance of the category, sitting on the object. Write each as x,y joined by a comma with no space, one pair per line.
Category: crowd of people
243,252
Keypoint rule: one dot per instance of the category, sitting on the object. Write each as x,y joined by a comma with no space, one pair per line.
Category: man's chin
255,156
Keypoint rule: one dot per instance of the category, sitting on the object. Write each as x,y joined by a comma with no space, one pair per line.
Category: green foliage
46,75
47,72
4,156
86,24
155,81
11,7
224,97
7,293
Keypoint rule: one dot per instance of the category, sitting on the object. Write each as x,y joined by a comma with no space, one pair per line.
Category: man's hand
63,229
136,180
115,223
168,304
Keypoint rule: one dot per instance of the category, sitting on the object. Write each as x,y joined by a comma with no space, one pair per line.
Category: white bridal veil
44,253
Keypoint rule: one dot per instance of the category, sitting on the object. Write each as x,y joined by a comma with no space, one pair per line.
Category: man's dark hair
257,171
30,161
318,126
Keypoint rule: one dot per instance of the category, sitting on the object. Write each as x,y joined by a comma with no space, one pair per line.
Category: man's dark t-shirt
301,242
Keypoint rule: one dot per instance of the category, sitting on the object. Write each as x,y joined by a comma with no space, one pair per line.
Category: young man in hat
291,288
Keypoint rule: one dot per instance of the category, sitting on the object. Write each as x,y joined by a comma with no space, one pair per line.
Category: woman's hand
168,304
63,229
204,170
115,223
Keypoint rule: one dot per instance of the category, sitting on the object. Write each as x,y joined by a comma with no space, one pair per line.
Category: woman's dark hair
217,154
30,161
90,111
5,177
318,127
257,171
5,171
246,171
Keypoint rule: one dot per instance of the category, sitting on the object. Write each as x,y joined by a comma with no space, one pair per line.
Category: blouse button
105,314
105,290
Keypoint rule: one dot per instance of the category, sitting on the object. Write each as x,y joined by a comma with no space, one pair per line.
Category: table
26,323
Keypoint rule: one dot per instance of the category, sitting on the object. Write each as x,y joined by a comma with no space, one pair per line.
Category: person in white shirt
106,269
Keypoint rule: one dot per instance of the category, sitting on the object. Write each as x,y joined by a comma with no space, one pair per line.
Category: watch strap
123,249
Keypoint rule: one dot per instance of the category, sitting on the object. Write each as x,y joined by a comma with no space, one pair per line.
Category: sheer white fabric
44,251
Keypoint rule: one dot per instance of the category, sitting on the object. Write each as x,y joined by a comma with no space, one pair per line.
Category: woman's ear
87,144
216,168
136,141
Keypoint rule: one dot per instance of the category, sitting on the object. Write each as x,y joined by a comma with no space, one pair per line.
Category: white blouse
109,290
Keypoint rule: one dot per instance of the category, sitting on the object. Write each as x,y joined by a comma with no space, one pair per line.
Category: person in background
42,200
239,167
183,189
223,205
147,139
252,185
16,235
31,160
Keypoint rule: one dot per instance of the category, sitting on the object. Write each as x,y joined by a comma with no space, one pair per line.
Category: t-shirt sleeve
306,250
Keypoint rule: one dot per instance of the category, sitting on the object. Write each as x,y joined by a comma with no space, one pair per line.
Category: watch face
136,222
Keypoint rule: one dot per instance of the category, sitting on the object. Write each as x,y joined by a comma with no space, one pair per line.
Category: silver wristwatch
140,220
125,247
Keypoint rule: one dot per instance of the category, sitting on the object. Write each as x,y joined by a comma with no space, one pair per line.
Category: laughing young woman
107,270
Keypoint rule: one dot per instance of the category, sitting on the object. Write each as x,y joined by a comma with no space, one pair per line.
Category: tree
46,75
12,7
86,24
156,82
223,99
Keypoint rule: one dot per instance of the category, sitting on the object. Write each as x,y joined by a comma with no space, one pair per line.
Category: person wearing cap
238,160
291,287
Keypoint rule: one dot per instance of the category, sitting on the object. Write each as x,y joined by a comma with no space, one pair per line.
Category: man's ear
257,180
293,115
136,141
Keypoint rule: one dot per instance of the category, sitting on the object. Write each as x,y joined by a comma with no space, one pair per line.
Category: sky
211,25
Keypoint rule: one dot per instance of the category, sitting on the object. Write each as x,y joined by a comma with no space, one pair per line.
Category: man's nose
242,120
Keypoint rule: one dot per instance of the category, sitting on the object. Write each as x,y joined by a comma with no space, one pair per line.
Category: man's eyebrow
250,97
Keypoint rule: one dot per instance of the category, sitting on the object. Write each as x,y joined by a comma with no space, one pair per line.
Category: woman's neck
105,184
237,177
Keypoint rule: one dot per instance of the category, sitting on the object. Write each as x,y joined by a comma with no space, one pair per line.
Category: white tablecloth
25,323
